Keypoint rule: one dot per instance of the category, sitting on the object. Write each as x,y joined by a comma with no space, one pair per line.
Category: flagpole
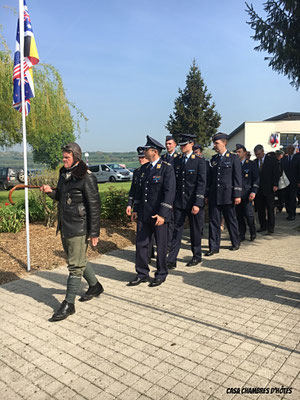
21,27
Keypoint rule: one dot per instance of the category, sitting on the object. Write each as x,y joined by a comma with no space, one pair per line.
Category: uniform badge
156,178
158,166
227,155
246,175
175,155
247,161
69,201
193,156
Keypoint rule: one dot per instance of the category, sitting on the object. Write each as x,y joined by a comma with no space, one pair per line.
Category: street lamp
86,155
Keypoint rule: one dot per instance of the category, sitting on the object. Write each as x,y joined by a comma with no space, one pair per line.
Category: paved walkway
227,326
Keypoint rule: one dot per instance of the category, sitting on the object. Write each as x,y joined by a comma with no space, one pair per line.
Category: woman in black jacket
78,220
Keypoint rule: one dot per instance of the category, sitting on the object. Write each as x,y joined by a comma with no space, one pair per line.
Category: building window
287,139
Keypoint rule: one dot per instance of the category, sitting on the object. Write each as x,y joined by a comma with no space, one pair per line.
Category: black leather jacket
79,202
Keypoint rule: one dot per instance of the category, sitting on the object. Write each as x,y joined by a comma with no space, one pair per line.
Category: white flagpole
21,27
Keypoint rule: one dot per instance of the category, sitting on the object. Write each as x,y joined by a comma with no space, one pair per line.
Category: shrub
114,206
43,208
12,218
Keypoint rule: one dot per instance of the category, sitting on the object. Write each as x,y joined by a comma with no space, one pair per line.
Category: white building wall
255,133
239,138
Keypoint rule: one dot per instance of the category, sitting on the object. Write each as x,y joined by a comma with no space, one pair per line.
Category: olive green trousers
78,266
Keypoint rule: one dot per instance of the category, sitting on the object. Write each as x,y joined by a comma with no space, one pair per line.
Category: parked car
131,171
103,173
123,174
10,177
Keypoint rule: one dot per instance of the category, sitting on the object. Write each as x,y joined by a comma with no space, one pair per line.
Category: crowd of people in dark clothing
169,188
166,190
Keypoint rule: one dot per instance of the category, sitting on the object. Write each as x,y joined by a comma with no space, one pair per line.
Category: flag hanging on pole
31,58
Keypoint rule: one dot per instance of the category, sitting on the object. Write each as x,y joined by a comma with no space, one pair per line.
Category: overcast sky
122,62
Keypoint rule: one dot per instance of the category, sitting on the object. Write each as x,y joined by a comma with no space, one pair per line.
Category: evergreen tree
194,113
279,35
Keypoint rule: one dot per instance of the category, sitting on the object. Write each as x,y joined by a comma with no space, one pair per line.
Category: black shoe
137,281
252,238
234,248
261,230
211,253
93,291
194,261
156,282
171,265
64,311
290,218
270,232
242,239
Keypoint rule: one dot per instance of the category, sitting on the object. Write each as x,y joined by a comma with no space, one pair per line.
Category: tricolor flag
31,58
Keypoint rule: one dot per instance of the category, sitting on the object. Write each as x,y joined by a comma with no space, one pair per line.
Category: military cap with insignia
169,137
140,151
219,136
186,138
153,144
197,147
240,146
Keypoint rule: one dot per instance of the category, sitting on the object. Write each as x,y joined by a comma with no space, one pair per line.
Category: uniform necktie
168,157
289,158
185,159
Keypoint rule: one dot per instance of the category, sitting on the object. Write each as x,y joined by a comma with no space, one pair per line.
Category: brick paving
231,322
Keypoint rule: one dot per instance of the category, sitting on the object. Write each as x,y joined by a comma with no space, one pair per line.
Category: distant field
15,159
103,187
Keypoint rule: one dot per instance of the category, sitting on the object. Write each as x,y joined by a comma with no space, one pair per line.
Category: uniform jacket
292,168
170,159
134,185
78,202
224,179
269,174
250,175
155,192
190,182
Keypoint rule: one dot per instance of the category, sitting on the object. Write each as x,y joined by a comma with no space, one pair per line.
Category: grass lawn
103,187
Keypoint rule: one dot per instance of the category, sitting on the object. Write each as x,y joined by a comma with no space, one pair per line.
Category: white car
123,174
105,173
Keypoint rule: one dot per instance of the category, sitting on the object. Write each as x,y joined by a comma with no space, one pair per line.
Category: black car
10,177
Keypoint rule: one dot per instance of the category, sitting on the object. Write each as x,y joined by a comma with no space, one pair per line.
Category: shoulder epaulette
166,163
88,171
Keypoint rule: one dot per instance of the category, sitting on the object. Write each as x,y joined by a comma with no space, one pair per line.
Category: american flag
30,58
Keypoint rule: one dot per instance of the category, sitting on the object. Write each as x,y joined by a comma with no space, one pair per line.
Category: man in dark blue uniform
135,180
134,185
197,149
190,171
152,209
244,210
224,191
169,157
290,164
171,153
